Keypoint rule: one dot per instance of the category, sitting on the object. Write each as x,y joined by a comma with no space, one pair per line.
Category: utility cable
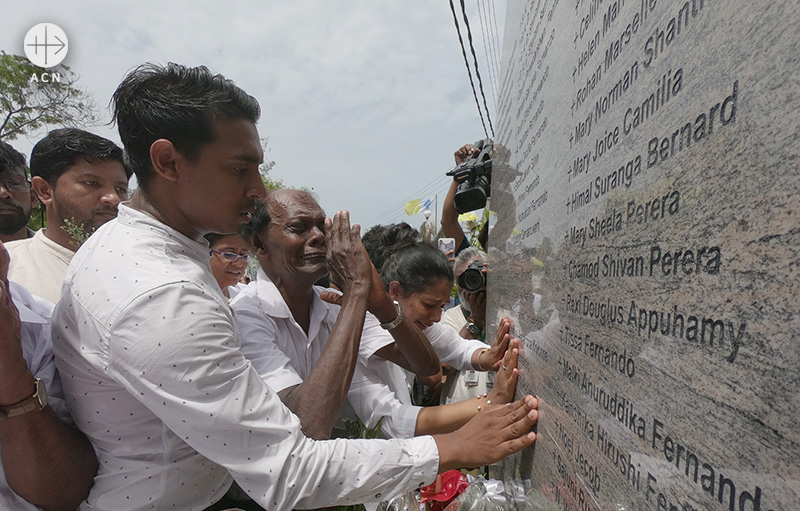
475,59
487,48
491,28
496,38
433,185
428,190
466,62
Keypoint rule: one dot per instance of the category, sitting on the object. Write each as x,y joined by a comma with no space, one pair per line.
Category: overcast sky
362,101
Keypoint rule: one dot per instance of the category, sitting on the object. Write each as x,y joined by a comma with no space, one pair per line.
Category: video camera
474,178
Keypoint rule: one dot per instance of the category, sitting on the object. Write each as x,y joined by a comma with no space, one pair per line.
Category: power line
436,183
394,210
486,48
496,39
475,59
469,72
491,27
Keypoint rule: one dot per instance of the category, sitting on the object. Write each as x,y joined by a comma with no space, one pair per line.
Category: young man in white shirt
80,179
148,352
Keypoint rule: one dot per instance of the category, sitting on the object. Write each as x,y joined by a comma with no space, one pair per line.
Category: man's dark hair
381,241
11,159
416,268
213,238
257,224
57,152
176,103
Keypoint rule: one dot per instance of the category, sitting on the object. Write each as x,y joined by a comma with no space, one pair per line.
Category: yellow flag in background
412,207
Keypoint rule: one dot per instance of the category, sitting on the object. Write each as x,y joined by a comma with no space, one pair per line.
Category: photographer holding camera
468,191
469,320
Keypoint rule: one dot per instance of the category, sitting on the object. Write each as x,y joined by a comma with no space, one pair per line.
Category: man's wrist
385,310
474,330
391,325
16,386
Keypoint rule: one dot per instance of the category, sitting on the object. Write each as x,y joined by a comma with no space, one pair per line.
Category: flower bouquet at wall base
439,495
479,494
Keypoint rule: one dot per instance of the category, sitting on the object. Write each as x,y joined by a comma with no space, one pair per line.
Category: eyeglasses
230,256
15,185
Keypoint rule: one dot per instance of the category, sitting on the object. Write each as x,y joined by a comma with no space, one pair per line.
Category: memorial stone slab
647,247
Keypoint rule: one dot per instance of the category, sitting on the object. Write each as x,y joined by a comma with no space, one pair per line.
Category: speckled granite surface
647,246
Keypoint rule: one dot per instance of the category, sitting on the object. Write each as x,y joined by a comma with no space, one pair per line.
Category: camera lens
472,279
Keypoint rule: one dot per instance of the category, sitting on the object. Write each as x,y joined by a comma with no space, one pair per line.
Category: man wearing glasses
16,196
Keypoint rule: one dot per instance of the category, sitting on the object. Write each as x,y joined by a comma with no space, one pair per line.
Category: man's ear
44,191
395,291
34,197
164,158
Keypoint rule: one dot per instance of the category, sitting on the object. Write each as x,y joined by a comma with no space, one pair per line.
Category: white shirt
466,383
37,350
450,347
39,264
284,355
154,375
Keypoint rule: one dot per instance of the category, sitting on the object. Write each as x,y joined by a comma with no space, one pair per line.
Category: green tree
271,184
28,104
264,168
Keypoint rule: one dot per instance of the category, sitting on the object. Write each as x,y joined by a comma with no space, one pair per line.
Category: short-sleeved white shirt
284,355
39,264
464,384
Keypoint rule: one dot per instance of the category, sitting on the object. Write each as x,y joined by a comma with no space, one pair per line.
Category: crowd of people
140,370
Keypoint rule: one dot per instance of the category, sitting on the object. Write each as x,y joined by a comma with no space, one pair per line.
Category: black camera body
474,178
473,279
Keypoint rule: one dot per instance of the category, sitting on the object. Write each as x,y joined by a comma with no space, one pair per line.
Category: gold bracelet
480,364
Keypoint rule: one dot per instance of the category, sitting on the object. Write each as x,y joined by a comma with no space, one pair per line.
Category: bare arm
477,307
319,399
450,224
46,461
489,437
487,360
446,418
411,350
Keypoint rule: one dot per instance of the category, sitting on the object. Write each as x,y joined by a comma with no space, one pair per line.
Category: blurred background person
469,320
229,257
17,198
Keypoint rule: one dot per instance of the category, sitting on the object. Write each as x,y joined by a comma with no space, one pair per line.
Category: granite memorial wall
647,246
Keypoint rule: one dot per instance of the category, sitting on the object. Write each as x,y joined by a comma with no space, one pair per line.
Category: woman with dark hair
420,279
